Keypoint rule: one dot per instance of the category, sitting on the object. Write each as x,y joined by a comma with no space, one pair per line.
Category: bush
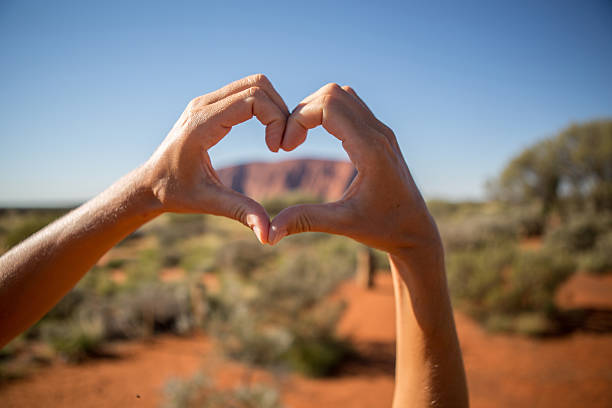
73,340
508,290
531,224
200,392
280,316
243,257
477,232
276,204
318,356
529,324
25,228
474,275
579,234
599,259
146,310
82,321
243,335
535,278
97,281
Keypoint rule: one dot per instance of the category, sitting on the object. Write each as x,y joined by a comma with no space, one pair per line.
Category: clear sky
88,89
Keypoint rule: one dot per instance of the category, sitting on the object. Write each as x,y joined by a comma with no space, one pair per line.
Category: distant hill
322,178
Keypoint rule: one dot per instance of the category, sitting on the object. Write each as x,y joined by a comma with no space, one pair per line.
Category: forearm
36,274
429,367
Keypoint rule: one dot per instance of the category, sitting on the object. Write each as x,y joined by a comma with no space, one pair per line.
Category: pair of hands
382,208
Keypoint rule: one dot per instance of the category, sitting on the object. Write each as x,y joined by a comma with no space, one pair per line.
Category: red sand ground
503,371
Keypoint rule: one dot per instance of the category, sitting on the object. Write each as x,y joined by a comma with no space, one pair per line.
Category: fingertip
273,145
274,135
294,135
260,226
259,234
276,234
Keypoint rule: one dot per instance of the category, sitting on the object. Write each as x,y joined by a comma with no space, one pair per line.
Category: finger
344,118
354,94
331,218
242,106
259,80
231,204
384,129
330,106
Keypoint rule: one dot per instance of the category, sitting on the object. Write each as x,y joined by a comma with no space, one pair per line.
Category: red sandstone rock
321,178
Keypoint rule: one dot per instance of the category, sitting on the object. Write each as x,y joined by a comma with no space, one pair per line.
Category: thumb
330,217
239,207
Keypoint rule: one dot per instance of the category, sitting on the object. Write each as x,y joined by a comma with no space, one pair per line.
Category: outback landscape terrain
191,311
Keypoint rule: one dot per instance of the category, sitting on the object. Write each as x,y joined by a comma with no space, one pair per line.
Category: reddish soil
503,371
531,244
586,291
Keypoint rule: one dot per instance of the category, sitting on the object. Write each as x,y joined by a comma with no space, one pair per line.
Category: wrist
138,193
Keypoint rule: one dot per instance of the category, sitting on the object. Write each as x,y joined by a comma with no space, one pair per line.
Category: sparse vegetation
201,392
270,308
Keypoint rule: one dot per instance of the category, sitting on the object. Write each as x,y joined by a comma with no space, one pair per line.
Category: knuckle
383,146
239,213
330,100
331,88
194,102
260,79
303,223
348,88
254,91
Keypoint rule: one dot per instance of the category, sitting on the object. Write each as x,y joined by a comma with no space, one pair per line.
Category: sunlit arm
384,209
178,177
36,274
429,368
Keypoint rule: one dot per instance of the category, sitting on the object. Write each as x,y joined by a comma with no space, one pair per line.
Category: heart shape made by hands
381,207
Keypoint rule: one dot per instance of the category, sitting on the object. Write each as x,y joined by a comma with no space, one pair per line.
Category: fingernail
257,232
276,235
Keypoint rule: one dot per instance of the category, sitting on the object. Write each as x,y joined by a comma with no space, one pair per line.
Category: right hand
382,207
180,173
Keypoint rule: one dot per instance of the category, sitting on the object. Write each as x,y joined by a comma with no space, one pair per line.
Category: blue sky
89,89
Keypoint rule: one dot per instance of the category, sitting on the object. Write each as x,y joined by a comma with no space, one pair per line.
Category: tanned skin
382,208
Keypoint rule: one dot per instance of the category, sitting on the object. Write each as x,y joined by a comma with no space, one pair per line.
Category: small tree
535,174
589,163
575,165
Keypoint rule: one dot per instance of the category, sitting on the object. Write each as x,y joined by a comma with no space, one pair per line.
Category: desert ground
502,370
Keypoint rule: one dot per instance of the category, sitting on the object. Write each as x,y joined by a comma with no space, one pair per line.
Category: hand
382,207
180,173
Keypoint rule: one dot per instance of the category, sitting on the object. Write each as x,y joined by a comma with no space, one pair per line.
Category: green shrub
179,227
508,290
276,204
531,224
529,324
599,259
242,257
97,281
535,277
318,356
73,340
244,335
25,228
580,233
144,270
148,309
477,232
116,263
278,314
474,275
200,392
